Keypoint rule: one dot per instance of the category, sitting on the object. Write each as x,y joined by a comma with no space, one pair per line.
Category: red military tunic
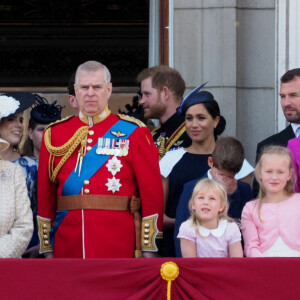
92,233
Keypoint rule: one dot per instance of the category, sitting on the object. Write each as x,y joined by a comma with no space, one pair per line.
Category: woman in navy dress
204,124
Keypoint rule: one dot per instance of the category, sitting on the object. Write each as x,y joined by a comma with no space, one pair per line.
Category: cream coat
16,223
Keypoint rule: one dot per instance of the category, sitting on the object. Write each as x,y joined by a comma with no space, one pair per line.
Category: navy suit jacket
237,201
279,139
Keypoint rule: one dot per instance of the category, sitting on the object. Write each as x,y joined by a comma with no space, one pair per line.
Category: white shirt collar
217,232
209,174
295,127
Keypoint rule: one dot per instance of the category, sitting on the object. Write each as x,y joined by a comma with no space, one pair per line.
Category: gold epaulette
153,132
165,143
66,150
59,121
149,233
132,120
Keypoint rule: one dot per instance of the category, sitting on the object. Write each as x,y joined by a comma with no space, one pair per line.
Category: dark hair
164,76
27,149
290,75
228,155
214,110
71,83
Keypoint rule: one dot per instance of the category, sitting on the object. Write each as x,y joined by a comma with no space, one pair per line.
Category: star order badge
114,165
113,184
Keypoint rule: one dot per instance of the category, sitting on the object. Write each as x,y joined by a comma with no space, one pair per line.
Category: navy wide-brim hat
194,97
12,103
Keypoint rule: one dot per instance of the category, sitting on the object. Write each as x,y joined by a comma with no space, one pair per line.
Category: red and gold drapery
215,278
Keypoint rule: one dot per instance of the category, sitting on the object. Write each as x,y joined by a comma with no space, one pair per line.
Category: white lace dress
16,224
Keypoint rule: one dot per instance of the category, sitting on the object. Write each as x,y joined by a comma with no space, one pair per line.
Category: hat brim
25,99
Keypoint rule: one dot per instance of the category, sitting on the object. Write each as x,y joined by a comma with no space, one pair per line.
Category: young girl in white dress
271,223
209,232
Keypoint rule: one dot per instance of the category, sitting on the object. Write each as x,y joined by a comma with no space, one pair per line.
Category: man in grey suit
290,103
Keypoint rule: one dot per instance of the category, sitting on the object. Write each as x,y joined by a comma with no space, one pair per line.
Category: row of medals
117,147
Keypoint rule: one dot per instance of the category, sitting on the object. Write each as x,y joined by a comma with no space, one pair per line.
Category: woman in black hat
41,115
204,124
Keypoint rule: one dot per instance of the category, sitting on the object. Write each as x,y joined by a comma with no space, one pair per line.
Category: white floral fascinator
8,105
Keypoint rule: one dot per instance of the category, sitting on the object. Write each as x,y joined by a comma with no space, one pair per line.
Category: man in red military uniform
91,168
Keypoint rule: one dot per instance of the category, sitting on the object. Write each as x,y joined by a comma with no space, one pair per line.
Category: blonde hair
216,187
289,187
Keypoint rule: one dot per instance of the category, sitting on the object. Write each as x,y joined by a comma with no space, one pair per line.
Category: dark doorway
42,42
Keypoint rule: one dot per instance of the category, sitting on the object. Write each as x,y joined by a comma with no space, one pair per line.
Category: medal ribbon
92,162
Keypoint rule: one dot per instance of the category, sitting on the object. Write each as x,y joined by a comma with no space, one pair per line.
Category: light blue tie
298,131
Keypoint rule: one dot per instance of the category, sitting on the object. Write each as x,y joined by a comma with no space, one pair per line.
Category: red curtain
214,278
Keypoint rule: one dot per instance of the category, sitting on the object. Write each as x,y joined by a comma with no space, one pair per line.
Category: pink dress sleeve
250,232
187,231
233,233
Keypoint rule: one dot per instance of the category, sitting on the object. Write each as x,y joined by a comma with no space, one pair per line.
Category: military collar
170,125
94,119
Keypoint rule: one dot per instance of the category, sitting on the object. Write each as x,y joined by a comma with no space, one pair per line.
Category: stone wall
231,45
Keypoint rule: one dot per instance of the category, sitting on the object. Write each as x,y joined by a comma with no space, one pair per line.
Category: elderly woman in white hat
16,224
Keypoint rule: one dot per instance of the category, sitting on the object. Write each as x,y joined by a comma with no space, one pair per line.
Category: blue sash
92,161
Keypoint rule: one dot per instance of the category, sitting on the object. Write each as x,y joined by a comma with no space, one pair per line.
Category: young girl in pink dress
271,223
209,232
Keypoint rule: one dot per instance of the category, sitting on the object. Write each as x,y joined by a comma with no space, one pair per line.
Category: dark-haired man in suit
290,103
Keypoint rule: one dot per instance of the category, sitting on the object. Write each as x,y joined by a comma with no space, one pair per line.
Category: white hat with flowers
8,105
15,102
12,103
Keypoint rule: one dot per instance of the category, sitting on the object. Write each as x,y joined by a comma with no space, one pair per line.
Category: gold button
89,140
45,237
86,191
147,225
147,230
46,243
44,226
86,182
91,132
146,242
146,236
88,148
45,231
